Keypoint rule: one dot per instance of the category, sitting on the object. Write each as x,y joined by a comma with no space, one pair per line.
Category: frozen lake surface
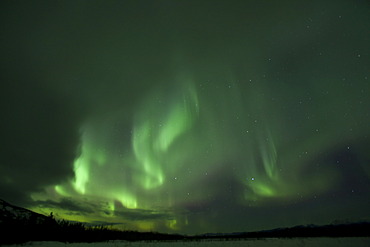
327,242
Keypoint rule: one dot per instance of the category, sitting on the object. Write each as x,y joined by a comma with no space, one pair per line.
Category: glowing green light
81,169
100,157
172,224
90,155
111,206
178,121
127,200
153,176
153,137
269,156
61,191
263,190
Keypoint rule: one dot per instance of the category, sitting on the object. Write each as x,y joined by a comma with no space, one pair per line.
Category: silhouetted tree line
66,231
49,229
360,229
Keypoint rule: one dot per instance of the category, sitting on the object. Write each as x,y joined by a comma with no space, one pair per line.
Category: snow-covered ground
327,242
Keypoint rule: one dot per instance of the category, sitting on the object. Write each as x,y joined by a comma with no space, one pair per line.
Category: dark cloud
40,136
102,223
143,214
68,205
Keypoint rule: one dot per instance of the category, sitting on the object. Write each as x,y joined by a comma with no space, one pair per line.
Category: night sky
187,116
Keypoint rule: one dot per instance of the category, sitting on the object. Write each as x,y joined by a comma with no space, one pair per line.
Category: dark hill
10,214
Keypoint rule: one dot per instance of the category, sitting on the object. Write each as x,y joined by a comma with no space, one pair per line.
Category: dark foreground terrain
19,225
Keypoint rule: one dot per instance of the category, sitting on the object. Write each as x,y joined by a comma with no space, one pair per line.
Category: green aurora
178,140
178,121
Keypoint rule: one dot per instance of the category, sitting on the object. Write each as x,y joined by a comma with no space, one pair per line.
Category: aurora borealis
187,116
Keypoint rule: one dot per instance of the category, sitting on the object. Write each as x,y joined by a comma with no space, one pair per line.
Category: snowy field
327,242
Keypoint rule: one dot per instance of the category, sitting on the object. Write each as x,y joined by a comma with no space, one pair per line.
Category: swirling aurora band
177,141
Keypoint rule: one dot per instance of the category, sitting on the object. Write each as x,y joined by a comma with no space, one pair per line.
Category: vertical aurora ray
265,177
89,154
152,174
155,131
81,169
